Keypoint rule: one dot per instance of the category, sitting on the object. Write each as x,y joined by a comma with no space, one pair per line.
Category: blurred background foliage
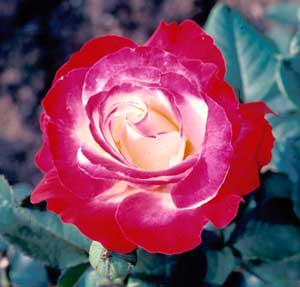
260,40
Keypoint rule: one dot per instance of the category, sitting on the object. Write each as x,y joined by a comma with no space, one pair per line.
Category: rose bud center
145,132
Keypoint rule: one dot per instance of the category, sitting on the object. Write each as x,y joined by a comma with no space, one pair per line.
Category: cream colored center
146,133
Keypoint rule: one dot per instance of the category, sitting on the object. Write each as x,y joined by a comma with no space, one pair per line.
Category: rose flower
144,145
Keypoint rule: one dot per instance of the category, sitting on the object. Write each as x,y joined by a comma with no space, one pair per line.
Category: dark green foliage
286,153
250,57
24,271
289,78
285,13
70,276
39,233
21,192
90,278
264,232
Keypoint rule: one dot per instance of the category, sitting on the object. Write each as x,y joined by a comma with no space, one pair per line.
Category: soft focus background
36,37
260,248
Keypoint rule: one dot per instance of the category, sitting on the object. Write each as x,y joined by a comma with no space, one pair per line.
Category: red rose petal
191,106
47,187
43,157
260,139
93,51
63,100
108,67
222,211
134,75
98,167
208,175
95,218
203,72
67,130
153,222
253,147
173,38
224,95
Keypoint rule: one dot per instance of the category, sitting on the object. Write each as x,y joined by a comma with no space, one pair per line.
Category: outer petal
95,218
253,148
93,51
173,38
243,174
48,187
43,157
222,210
67,130
107,68
205,180
153,222
99,168
203,71
191,106
222,93
260,139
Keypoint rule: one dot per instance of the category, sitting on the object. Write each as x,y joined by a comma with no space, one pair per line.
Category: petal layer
153,222
43,157
253,147
95,218
208,175
92,51
67,130
173,38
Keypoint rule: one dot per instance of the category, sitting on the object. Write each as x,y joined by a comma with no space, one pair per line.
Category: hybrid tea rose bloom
144,145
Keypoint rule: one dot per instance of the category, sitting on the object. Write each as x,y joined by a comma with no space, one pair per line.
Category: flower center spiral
145,130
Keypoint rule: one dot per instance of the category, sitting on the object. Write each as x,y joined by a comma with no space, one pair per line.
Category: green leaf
90,278
6,196
41,234
152,270
279,103
283,273
277,185
252,280
282,37
70,276
21,191
250,57
3,245
24,271
286,152
113,269
288,74
6,201
269,232
288,78
268,242
220,263
295,44
285,13
44,236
